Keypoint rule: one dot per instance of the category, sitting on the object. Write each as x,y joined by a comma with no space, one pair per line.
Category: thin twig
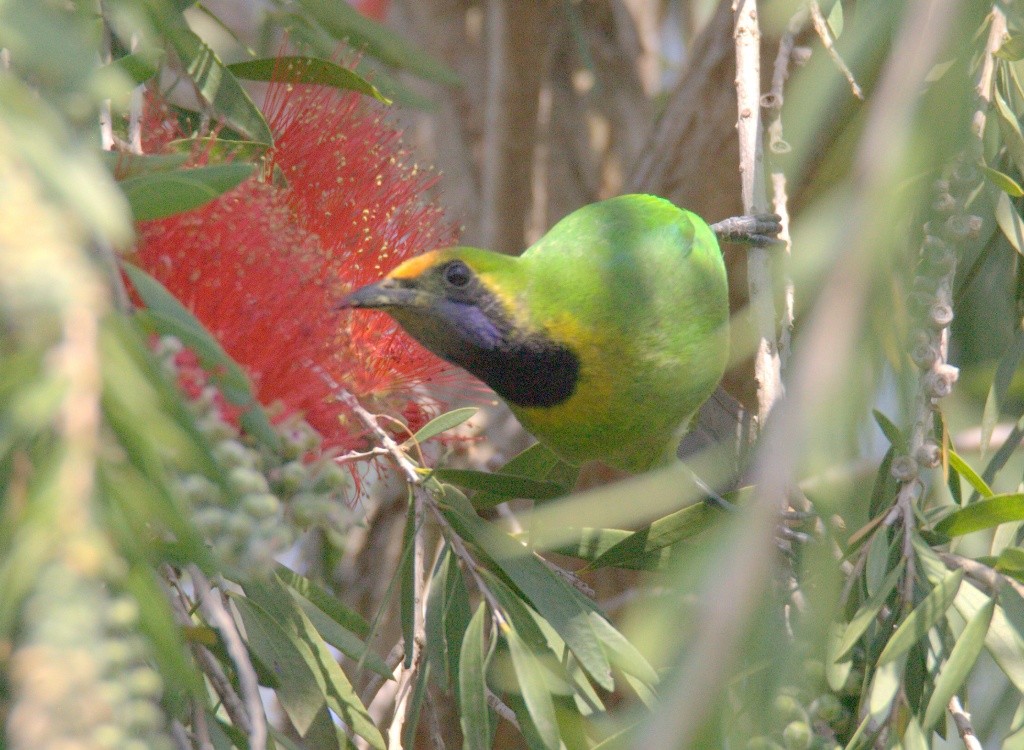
407,674
962,719
219,616
988,578
767,374
780,205
821,27
356,456
208,663
179,736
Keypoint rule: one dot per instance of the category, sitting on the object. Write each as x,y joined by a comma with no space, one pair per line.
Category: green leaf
305,70
663,533
835,20
533,685
1000,386
214,83
125,164
868,612
1009,222
272,597
1012,49
475,713
297,689
159,194
407,581
983,514
443,422
1011,562
536,462
341,638
964,469
139,66
926,614
959,664
500,485
552,597
622,653
1009,126
589,544
447,618
167,315
892,433
344,22
1003,181
325,601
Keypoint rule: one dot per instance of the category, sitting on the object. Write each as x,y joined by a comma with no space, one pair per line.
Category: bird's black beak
382,295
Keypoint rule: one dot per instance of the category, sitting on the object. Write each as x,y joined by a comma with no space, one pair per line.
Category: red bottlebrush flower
264,265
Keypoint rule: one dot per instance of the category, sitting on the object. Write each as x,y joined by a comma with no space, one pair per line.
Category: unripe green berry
827,708
331,478
210,520
290,478
198,490
261,505
797,735
246,481
788,708
232,453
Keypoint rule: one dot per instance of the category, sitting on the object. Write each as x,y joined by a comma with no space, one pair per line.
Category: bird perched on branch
604,337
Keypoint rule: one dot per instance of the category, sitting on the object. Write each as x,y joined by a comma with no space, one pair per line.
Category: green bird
604,337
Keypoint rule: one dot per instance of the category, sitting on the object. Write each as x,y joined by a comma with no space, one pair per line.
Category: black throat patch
532,371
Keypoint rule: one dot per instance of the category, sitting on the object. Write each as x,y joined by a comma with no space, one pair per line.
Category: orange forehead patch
414,267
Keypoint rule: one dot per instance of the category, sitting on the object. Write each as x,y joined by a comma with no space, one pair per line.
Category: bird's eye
457,273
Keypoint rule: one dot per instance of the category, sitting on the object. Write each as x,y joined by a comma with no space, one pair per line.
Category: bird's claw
760,230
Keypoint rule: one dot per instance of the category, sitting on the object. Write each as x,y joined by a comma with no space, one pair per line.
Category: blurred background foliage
232,517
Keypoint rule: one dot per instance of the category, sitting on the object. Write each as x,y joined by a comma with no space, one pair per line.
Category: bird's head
451,300
470,307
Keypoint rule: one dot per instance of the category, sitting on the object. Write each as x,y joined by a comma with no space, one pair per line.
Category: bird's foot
760,230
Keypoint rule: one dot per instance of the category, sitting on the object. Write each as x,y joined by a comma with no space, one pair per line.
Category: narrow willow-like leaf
967,472
167,315
342,639
868,612
297,687
1003,181
1010,222
892,433
983,514
407,582
1009,126
536,462
501,485
925,615
325,601
156,195
344,22
214,83
271,597
444,422
139,66
1011,562
448,615
959,664
552,597
474,715
530,675
662,533
1012,49
306,70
